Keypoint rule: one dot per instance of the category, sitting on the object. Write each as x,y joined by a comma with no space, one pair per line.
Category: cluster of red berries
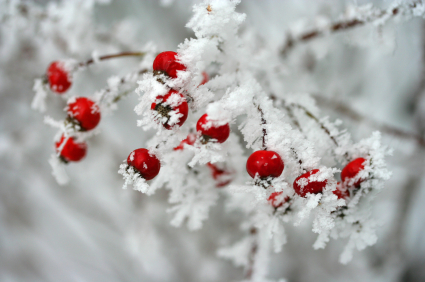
174,102
265,164
84,113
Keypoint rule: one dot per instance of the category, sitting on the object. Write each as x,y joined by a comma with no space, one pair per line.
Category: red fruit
351,170
58,77
85,112
221,175
341,191
190,140
277,203
166,63
172,101
211,131
265,164
71,151
145,163
303,185
206,78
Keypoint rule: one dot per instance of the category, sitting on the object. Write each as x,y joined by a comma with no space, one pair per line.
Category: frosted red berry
341,191
211,131
167,64
220,175
276,201
351,170
58,77
304,184
71,151
85,112
264,164
190,140
145,163
170,105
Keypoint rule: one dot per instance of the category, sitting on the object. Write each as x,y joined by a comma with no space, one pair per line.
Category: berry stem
342,25
112,56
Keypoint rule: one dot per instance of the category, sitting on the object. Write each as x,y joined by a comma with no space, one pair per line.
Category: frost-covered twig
350,113
363,15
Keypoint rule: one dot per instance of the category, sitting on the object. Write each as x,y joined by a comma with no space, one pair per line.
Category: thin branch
344,25
111,56
263,123
345,110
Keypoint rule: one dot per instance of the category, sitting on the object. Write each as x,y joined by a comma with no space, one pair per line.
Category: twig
341,26
352,114
263,122
111,56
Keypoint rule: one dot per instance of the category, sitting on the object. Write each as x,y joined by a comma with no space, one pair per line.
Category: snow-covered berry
308,183
351,170
190,140
166,63
211,131
171,109
59,78
341,191
147,164
71,151
85,112
264,164
277,200
221,176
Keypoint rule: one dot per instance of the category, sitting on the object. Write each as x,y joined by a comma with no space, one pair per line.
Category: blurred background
369,77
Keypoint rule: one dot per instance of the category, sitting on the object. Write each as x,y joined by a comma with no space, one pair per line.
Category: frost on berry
59,75
170,110
70,150
84,111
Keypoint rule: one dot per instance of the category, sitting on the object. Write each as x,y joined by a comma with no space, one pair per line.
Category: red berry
265,164
172,101
206,78
341,191
277,203
211,131
145,163
85,112
71,151
190,140
303,184
166,63
221,175
351,170
58,77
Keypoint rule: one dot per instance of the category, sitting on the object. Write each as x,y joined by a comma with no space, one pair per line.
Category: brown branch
112,56
339,26
345,110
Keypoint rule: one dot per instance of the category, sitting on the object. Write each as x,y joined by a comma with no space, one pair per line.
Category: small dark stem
313,117
112,56
263,123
